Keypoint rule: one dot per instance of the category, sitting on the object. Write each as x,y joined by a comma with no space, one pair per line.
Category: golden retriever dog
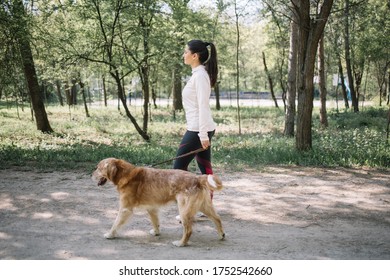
152,188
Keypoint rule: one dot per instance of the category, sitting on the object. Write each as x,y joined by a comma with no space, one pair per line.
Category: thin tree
22,34
220,8
279,41
58,87
322,83
109,33
310,32
336,37
342,82
381,72
179,13
82,89
289,122
355,103
270,81
388,127
237,17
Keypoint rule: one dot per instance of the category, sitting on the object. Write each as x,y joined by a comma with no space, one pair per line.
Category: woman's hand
205,144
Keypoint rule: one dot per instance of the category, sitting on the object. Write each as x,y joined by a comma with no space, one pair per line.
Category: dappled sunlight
84,219
280,212
60,195
322,195
65,255
107,251
7,203
4,236
111,213
136,232
42,215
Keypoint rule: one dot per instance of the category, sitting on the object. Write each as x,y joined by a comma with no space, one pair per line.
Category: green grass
352,140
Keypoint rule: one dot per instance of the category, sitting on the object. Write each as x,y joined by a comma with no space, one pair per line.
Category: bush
352,139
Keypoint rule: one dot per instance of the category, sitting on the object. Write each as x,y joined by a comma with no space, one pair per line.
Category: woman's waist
194,125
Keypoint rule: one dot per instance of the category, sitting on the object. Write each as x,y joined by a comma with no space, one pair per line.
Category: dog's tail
213,182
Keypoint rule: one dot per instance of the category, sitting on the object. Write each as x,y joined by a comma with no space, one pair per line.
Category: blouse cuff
203,136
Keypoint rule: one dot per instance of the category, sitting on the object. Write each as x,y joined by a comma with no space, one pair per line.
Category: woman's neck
195,64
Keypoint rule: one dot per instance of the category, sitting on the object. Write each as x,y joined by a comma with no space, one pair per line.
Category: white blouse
196,98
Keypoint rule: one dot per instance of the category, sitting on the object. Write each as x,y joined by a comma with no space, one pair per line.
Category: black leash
181,156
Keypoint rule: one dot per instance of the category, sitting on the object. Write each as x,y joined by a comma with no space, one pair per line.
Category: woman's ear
195,56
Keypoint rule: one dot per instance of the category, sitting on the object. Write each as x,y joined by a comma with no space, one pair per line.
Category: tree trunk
381,77
68,94
73,93
29,69
121,97
343,87
58,84
104,91
270,81
358,75
388,91
355,103
322,83
238,67
146,94
388,127
84,98
281,78
176,89
217,95
310,32
284,92
154,93
144,71
289,123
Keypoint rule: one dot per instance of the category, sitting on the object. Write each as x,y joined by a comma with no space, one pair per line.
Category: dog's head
106,170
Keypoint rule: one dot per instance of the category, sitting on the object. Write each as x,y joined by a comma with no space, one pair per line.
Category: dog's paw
178,243
154,233
222,236
109,235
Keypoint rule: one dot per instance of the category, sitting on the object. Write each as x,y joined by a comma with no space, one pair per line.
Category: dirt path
279,213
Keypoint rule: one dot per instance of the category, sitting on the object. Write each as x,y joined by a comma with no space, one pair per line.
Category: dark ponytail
208,59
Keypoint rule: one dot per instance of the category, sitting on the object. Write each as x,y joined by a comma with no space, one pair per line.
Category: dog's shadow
203,234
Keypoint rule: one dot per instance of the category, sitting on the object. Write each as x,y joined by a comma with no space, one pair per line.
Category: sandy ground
278,213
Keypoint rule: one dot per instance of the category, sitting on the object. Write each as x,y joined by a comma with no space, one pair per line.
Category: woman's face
189,57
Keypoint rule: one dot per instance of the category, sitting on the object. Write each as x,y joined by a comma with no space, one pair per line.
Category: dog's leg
208,209
122,217
187,231
153,213
187,212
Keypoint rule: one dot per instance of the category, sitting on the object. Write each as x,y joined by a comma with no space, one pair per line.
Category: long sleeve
203,90
196,102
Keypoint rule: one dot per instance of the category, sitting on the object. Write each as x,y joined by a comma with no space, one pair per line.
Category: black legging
189,143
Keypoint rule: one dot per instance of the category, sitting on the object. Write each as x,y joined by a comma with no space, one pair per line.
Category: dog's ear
111,170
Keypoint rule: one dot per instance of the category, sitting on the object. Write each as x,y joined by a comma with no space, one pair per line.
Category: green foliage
352,139
90,39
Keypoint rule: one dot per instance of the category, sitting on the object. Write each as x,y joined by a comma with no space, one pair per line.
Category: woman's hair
208,59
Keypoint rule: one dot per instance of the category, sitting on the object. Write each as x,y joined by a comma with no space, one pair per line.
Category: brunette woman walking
202,57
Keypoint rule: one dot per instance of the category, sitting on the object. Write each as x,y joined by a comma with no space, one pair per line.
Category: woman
196,96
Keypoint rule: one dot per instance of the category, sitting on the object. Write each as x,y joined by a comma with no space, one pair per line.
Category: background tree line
57,50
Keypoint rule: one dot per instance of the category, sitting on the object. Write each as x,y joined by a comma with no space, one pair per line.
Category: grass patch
352,140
